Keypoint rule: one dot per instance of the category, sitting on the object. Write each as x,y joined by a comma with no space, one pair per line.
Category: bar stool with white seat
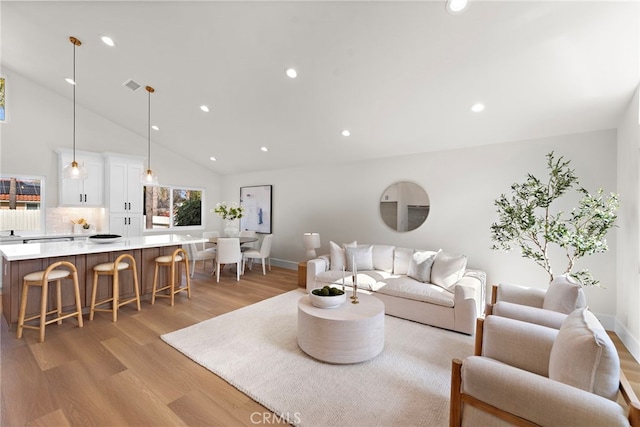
113,269
42,279
172,261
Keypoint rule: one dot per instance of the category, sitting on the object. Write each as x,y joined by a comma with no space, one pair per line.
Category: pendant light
149,178
73,170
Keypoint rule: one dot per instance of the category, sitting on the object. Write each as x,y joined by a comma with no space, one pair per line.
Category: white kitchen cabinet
126,225
124,195
88,192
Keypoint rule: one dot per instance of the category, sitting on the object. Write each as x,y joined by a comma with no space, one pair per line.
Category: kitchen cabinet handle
129,205
80,198
125,221
125,206
85,198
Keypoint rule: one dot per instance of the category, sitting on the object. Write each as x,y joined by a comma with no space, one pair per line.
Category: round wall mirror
404,206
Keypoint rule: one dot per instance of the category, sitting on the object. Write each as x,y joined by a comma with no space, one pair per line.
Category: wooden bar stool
113,269
42,279
172,261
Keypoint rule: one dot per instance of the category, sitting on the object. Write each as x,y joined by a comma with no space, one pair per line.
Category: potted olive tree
527,222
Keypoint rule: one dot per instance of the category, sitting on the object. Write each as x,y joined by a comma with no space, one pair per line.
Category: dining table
243,240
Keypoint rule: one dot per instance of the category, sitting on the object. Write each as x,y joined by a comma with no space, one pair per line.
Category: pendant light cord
149,90
74,100
149,131
75,43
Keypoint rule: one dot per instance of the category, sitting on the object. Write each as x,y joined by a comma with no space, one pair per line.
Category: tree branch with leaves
525,220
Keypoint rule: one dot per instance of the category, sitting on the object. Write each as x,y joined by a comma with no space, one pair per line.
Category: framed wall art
256,201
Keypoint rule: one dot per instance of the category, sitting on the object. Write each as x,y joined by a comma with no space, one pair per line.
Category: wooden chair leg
136,286
116,294
94,290
76,289
455,404
23,308
43,308
172,283
188,279
59,300
155,285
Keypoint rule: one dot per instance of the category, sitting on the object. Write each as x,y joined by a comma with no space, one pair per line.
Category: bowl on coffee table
327,297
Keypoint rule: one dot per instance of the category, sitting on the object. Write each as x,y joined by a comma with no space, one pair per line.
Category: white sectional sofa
430,287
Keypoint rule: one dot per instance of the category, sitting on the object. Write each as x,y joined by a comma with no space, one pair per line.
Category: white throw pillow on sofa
362,255
420,265
337,254
448,269
383,258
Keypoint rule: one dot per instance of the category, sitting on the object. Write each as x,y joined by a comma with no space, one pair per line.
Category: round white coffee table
350,333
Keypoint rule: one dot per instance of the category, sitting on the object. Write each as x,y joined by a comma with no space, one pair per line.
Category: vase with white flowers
231,214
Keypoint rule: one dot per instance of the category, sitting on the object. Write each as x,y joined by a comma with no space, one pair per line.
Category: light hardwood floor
122,374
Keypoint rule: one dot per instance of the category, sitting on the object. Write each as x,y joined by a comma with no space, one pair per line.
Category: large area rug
255,350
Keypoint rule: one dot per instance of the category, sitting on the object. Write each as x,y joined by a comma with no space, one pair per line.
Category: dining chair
247,246
199,255
209,246
229,253
263,253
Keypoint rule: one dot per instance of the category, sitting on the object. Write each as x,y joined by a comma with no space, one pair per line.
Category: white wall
628,260
340,201
40,120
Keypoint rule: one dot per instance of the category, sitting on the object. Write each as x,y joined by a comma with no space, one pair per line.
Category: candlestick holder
354,297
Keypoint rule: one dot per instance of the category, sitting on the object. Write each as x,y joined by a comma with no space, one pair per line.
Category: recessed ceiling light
265,149
213,159
291,73
154,127
204,108
478,107
108,41
456,6
69,80
345,132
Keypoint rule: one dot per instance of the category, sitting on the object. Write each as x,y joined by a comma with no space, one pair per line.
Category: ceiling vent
132,84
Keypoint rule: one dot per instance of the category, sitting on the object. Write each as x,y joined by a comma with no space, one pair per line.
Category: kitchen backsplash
60,220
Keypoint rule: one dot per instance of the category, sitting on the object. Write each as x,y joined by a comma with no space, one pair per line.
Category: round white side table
350,333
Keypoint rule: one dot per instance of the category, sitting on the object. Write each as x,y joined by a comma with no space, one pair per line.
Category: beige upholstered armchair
548,307
527,375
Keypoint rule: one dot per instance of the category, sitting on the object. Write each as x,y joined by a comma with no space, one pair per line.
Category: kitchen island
22,259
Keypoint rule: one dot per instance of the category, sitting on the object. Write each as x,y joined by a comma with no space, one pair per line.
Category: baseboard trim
283,263
629,341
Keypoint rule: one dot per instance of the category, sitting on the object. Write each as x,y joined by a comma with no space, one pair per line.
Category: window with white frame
168,207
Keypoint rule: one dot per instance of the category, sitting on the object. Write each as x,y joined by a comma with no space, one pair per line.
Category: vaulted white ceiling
400,76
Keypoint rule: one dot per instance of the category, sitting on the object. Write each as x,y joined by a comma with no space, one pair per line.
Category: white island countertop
85,246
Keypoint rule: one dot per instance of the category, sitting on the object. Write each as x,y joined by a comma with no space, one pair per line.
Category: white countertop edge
25,251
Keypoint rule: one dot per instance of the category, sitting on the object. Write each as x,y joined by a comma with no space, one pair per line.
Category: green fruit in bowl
327,291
